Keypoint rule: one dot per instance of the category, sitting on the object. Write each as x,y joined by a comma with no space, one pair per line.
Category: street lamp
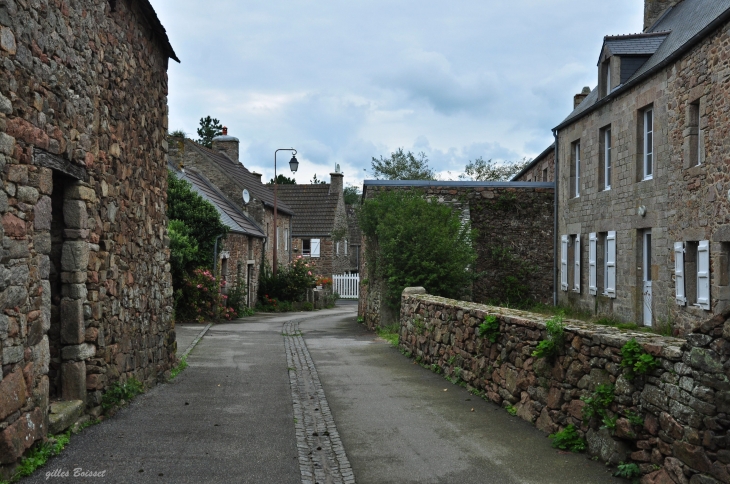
294,165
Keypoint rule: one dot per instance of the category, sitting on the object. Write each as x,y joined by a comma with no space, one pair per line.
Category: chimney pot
578,98
225,131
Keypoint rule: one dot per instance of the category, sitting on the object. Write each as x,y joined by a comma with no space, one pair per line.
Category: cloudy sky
343,81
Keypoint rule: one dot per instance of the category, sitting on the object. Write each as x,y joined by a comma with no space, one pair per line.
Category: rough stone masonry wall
685,402
88,86
514,244
237,248
537,172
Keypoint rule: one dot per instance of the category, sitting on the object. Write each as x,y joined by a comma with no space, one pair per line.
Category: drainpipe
215,254
555,222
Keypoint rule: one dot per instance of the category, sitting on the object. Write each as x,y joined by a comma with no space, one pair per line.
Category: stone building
643,221
222,168
514,223
85,287
240,253
354,239
319,226
541,169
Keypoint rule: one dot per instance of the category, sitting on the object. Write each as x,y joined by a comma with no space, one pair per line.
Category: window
575,239
648,144
306,247
224,269
692,273
724,262
345,246
337,248
314,244
575,170
609,270
564,262
679,274
592,263
606,78
250,248
605,161
544,174
286,239
695,147
703,274
570,251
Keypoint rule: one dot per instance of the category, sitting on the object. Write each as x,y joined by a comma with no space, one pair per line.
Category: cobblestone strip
322,458
196,340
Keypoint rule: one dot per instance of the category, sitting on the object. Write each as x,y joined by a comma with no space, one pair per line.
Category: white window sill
647,178
606,189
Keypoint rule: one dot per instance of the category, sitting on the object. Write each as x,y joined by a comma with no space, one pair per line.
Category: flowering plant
324,281
290,283
201,298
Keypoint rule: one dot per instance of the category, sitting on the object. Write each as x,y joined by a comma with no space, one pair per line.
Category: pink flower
199,286
309,273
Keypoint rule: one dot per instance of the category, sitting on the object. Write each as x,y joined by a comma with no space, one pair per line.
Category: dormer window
606,74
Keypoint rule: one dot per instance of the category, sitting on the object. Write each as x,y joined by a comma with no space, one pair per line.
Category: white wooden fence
346,285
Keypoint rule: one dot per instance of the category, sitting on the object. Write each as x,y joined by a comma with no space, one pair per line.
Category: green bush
568,439
489,329
551,346
202,299
237,297
413,241
636,360
290,283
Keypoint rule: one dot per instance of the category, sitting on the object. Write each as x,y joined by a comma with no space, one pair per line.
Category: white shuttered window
592,258
576,264
315,248
703,274
611,264
679,273
564,262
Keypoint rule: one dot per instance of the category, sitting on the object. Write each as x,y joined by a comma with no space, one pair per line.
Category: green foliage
307,306
417,242
419,326
402,166
511,410
352,195
609,422
568,439
551,346
179,368
202,299
436,369
512,290
283,180
628,471
317,181
178,133
200,218
39,455
290,283
237,297
121,392
389,333
598,402
636,360
481,170
489,329
634,418
183,249
209,129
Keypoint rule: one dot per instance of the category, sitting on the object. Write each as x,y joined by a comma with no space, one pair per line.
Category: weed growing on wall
636,360
568,439
489,329
39,455
121,392
551,346
597,403
628,471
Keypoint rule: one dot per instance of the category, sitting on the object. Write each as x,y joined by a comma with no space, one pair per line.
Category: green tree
283,180
178,133
481,170
402,166
209,129
417,242
317,181
352,195
201,223
183,249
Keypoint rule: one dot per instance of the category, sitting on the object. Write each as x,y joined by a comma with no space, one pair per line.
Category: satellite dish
246,197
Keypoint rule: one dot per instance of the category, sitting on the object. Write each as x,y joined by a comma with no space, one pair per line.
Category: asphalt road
229,418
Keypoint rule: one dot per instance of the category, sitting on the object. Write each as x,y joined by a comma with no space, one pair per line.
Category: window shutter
592,245
679,273
576,273
345,246
315,248
564,262
703,274
611,264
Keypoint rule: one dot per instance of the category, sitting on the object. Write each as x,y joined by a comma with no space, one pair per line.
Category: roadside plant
636,360
568,439
634,418
39,455
550,347
291,281
597,403
628,471
202,299
179,368
121,392
489,329
511,410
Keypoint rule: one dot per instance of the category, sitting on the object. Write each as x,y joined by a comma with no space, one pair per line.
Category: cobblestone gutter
684,402
322,457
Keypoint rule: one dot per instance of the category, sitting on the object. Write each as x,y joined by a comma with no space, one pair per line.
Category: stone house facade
221,166
541,169
643,219
240,253
514,223
319,226
85,288
354,239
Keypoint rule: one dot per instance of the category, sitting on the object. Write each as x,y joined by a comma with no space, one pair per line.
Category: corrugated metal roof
687,22
314,206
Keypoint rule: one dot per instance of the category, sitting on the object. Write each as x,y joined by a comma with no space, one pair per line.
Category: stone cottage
643,220
221,166
319,227
239,254
541,169
85,289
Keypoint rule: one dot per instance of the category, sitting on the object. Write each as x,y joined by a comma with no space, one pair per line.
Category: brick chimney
226,144
578,98
653,9
336,183
257,175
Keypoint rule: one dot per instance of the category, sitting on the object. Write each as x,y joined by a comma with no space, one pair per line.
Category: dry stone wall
684,402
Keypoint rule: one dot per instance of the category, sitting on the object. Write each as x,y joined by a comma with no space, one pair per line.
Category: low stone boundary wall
684,402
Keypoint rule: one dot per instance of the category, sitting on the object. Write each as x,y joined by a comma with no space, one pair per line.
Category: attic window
606,73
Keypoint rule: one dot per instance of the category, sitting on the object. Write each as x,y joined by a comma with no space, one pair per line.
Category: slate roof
637,44
687,23
230,215
243,177
314,206
534,162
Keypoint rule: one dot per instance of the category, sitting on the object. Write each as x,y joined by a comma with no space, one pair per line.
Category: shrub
489,329
237,296
636,360
598,402
628,471
202,300
550,347
290,283
568,439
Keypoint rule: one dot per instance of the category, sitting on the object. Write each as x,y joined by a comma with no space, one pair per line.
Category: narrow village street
229,417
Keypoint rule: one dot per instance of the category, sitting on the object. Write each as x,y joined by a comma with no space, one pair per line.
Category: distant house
239,255
222,169
541,169
319,228
354,240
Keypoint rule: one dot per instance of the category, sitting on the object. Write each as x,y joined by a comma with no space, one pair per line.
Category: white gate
346,285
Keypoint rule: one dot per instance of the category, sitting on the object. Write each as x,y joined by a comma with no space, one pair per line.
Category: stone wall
514,223
683,202
85,289
244,263
684,403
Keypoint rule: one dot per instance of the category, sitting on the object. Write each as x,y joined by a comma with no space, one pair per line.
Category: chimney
257,175
578,98
226,144
653,9
336,183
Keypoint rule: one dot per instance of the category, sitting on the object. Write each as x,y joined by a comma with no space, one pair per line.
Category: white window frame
703,275
577,169
345,246
679,290
700,146
607,159
608,77
592,263
564,262
286,239
649,144
337,248
610,265
576,264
